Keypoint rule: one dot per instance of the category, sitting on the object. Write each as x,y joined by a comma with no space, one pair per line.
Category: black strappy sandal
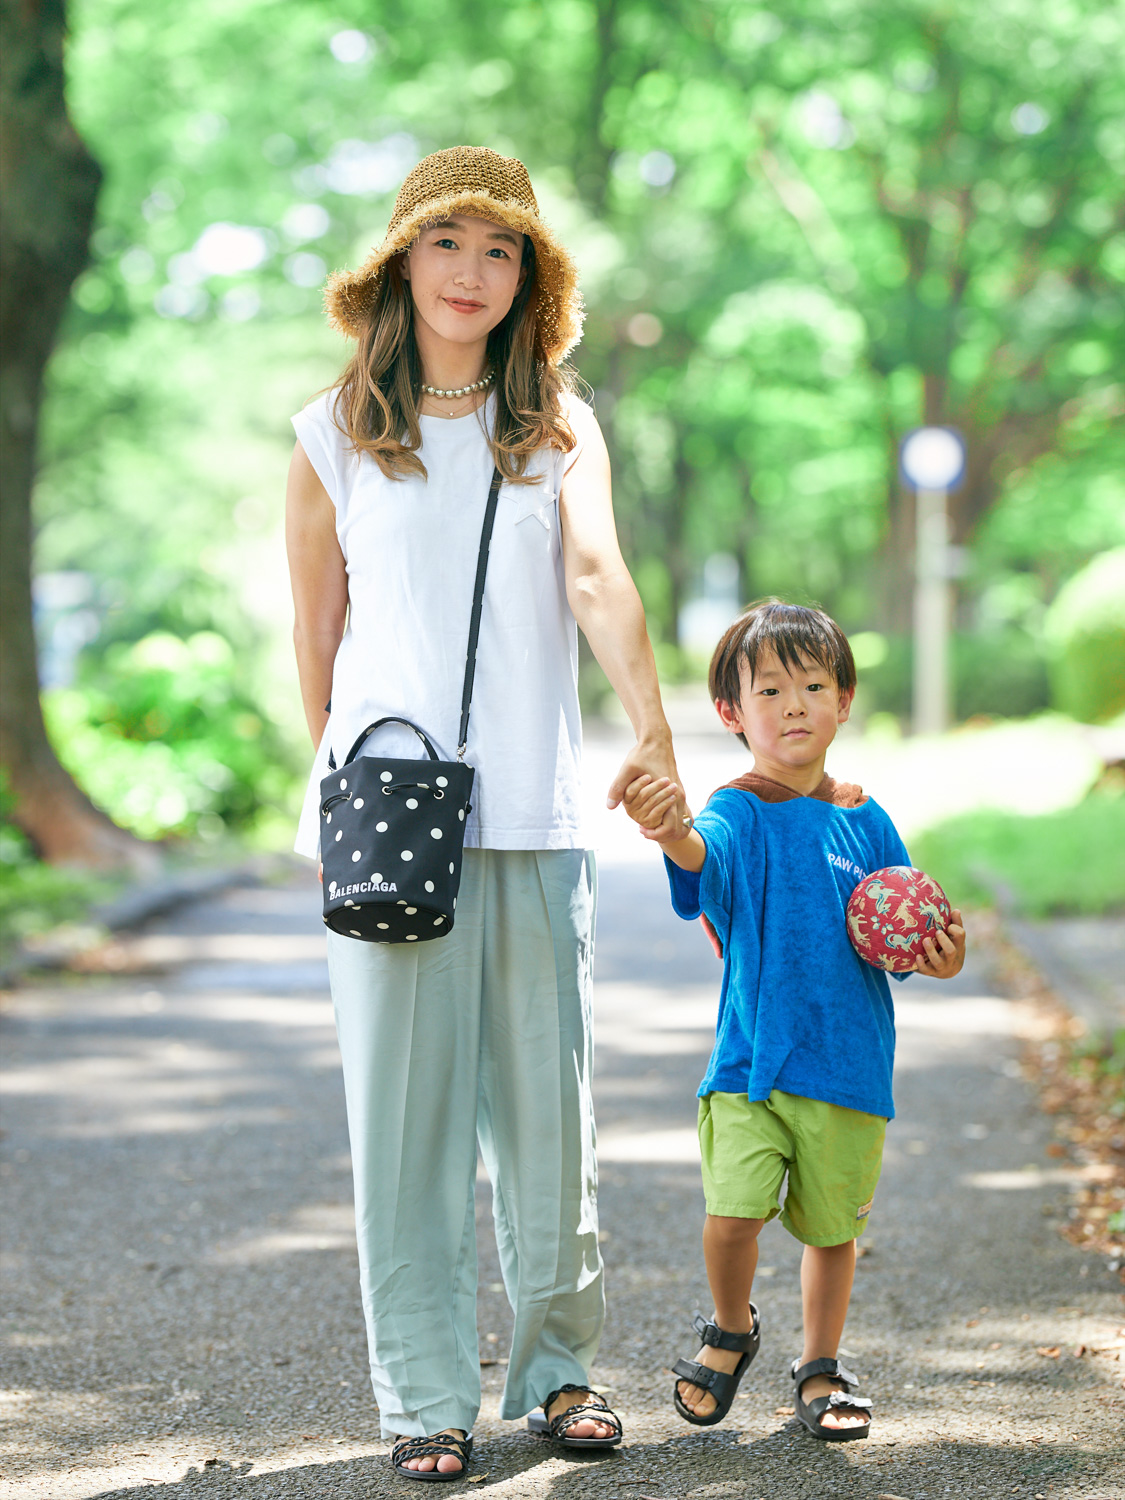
558,1427
441,1445
718,1383
810,1412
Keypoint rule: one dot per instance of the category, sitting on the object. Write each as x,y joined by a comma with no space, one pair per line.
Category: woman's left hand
609,612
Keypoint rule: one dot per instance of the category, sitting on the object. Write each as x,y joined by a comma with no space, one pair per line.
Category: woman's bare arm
609,612
320,586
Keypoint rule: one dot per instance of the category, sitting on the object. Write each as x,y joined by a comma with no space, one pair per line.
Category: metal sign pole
932,613
932,461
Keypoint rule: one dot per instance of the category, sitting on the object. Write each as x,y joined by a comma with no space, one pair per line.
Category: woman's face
464,274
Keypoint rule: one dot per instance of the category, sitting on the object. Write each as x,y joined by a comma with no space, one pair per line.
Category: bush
34,896
1068,862
1085,633
161,734
1001,673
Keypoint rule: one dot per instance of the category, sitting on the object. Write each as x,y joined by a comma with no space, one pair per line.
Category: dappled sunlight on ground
183,1314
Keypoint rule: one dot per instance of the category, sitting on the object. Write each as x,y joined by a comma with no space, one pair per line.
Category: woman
462,318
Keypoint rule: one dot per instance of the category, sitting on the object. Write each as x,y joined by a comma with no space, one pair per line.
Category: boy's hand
652,804
945,956
656,806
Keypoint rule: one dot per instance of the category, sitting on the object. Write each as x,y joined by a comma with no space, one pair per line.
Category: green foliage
801,231
166,740
997,673
35,897
1085,631
1059,863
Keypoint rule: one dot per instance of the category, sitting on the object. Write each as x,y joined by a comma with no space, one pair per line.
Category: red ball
891,912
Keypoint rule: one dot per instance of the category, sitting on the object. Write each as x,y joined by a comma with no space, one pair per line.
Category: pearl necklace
466,390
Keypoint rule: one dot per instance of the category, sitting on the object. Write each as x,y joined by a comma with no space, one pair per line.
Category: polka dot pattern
381,810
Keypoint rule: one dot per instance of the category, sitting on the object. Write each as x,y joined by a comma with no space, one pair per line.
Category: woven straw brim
350,295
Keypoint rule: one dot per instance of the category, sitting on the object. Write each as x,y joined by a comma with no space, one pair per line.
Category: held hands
658,806
653,803
945,955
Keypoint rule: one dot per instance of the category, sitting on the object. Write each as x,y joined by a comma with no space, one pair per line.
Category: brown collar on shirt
839,793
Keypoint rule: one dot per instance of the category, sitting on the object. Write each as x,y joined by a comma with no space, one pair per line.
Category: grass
34,898
1066,863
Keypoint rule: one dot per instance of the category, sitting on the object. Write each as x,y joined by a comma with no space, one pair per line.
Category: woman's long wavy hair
377,400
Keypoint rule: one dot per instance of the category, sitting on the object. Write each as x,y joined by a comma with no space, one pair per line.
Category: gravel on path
181,1314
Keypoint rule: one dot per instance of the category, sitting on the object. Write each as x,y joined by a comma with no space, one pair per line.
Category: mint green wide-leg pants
484,1037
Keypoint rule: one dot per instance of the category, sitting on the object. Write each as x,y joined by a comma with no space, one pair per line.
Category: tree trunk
49,187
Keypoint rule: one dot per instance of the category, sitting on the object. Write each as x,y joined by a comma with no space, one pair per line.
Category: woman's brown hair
377,400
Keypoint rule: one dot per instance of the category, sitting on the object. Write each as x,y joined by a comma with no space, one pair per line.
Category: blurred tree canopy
804,229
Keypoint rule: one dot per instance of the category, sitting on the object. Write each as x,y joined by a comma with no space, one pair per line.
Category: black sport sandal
718,1383
810,1412
441,1445
594,1409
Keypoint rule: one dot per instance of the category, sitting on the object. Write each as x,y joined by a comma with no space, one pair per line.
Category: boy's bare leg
730,1250
826,1288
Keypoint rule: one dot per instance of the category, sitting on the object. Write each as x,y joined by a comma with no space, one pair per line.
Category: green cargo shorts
833,1157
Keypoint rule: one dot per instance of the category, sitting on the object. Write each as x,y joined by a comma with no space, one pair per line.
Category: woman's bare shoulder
578,412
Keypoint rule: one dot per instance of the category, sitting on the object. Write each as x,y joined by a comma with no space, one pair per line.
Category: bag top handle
378,724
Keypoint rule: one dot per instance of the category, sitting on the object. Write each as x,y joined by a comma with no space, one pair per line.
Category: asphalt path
181,1314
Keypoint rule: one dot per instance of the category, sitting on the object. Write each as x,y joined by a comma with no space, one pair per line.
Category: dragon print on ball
891,912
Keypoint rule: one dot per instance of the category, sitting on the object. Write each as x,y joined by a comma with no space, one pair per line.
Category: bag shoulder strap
478,605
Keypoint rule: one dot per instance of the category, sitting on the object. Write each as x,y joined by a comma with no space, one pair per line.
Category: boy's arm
647,802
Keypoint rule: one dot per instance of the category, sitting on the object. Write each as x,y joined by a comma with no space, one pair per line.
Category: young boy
799,1081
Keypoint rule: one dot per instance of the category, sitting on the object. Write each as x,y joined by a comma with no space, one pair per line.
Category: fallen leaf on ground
1079,1351
1049,1352
784,1411
972,1323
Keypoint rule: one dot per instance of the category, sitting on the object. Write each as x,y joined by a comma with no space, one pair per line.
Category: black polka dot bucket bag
392,831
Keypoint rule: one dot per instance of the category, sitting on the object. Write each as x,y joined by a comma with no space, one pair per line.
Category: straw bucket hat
468,180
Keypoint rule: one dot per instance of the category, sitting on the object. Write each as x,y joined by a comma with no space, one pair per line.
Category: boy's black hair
795,633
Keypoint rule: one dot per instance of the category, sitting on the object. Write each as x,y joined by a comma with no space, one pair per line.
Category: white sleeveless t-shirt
410,547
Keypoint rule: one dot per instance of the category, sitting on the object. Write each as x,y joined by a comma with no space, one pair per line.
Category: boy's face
787,718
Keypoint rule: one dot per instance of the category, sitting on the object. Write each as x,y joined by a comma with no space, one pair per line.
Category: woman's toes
698,1401
588,1428
447,1464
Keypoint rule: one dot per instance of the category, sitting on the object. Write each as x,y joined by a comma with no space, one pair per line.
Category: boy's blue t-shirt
799,1010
